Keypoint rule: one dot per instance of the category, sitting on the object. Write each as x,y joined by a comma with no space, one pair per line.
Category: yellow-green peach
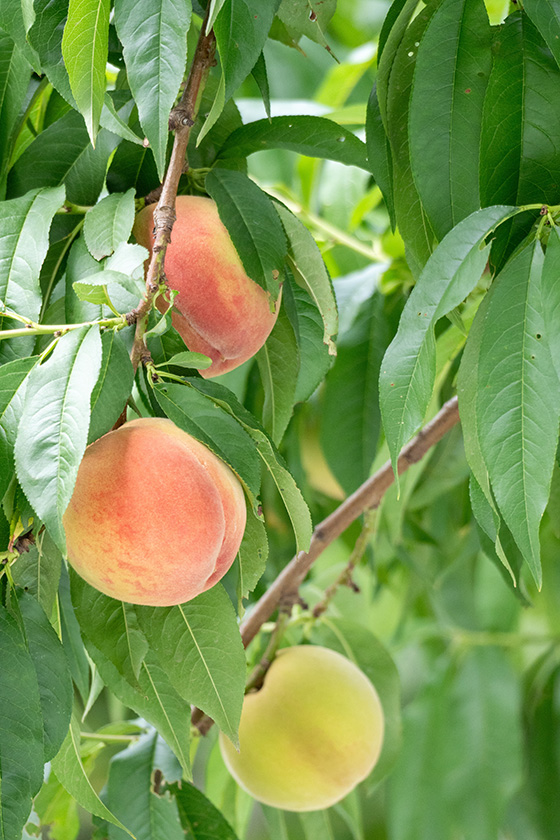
155,518
219,310
310,734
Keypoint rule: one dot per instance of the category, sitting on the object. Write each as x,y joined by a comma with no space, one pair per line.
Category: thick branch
181,120
367,496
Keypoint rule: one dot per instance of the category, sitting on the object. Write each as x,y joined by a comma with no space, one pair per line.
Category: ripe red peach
219,310
310,734
155,518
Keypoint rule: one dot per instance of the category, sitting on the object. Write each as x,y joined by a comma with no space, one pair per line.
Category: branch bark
366,497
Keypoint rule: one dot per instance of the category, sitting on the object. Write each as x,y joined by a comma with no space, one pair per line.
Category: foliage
405,198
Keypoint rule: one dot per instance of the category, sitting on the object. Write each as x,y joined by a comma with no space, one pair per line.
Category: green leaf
199,647
38,571
410,213
154,699
519,404
408,368
520,142
21,730
261,78
545,14
85,50
315,358
390,38
15,72
350,416
253,224
71,637
461,756
542,746
287,487
379,153
25,224
252,557
199,416
307,17
62,153
278,362
129,668
187,359
154,39
53,675
112,626
550,297
52,435
109,223
309,272
13,382
71,774
57,809
482,499
14,20
241,30
452,70
316,137
113,386
45,36
199,818
366,651
148,814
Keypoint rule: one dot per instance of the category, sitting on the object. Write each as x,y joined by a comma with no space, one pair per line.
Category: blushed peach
155,518
220,311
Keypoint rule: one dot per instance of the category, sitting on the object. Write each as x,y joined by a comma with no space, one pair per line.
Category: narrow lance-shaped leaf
519,405
109,223
278,362
199,647
15,71
13,382
551,296
545,14
310,272
287,487
71,774
379,153
199,817
21,730
85,50
53,432
129,668
482,499
313,136
154,39
450,77
253,224
25,224
408,368
130,796
53,675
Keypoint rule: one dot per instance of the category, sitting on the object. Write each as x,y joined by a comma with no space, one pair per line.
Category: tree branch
367,496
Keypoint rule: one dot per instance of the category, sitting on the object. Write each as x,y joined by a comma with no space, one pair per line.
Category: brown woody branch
366,497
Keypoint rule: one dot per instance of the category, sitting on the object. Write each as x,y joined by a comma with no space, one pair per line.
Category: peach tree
389,177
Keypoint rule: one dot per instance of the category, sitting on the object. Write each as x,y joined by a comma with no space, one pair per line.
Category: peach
219,310
155,518
310,734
